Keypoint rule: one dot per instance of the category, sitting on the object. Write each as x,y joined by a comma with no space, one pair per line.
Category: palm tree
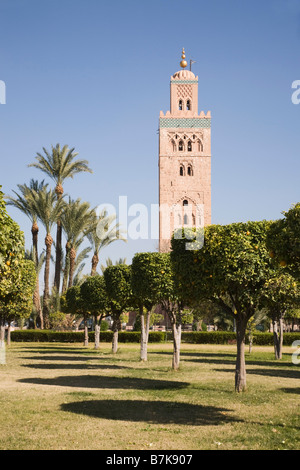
101,235
76,221
59,165
48,209
109,262
25,203
30,254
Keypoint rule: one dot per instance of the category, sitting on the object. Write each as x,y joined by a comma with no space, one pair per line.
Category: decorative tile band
183,81
185,122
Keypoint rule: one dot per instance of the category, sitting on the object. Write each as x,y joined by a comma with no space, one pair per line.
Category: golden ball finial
183,63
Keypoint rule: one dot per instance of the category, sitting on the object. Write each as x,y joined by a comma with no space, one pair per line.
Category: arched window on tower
190,170
189,147
173,145
185,220
185,203
193,220
188,105
200,146
180,105
180,146
181,170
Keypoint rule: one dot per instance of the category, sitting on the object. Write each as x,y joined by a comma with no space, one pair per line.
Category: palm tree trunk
36,295
95,261
72,266
66,269
58,260
46,309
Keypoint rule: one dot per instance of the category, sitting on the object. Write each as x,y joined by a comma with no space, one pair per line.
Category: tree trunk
66,268
116,326
58,259
240,369
144,334
86,332
2,342
97,331
95,261
8,338
46,310
72,266
176,330
36,294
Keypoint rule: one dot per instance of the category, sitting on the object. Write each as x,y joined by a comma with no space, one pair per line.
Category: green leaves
232,264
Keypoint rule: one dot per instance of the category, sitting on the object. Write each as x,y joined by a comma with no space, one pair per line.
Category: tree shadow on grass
107,382
155,412
77,358
295,390
290,374
84,366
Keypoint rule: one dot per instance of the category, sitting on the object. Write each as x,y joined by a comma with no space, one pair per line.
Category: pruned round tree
17,275
120,299
230,269
95,300
283,240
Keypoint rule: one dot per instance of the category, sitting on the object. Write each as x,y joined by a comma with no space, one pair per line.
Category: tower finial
183,63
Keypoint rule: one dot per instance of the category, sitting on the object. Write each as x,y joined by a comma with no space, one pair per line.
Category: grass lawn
66,396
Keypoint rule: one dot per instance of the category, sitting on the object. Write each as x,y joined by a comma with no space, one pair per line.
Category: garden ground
66,396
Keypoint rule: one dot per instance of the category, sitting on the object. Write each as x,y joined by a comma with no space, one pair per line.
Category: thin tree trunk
8,338
276,338
46,310
2,342
97,331
176,330
86,332
116,327
144,334
240,369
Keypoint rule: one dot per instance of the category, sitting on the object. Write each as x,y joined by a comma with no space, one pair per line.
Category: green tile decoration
203,123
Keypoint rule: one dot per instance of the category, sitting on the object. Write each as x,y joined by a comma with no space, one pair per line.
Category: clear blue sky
95,74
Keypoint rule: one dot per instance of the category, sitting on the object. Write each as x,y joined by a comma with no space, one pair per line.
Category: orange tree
73,302
231,270
120,299
153,283
17,275
283,240
95,300
280,292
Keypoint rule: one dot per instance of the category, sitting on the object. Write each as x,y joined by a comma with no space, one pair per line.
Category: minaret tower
184,159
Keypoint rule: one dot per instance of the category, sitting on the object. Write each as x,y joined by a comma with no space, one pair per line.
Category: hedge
78,336
193,337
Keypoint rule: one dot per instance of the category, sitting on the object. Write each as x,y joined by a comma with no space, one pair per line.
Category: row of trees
75,219
238,269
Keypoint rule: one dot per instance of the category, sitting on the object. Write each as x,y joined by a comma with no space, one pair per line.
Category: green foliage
94,295
280,292
231,268
118,287
283,240
73,301
17,274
